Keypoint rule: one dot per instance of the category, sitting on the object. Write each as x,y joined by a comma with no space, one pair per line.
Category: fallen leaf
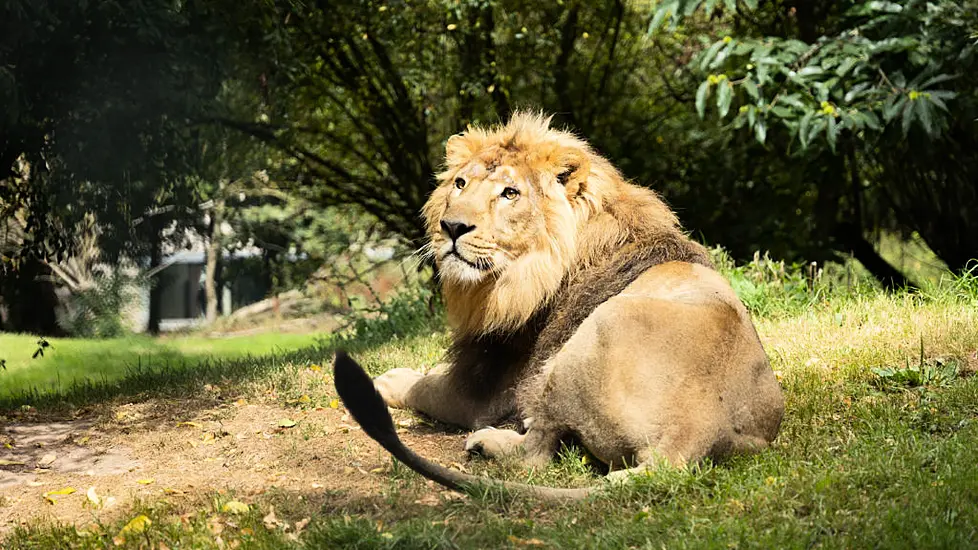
188,425
317,485
428,500
64,491
215,525
169,491
271,522
93,499
334,404
315,368
235,507
304,398
248,531
301,524
4,462
286,423
525,542
47,460
147,481
136,525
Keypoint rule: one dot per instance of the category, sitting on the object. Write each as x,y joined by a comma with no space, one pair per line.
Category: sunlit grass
70,362
876,449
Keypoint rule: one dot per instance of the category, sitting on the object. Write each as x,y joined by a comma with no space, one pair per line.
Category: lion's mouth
480,264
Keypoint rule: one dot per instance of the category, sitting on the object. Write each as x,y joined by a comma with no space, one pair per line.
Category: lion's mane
611,233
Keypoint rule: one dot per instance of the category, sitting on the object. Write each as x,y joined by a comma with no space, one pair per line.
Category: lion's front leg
535,448
436,394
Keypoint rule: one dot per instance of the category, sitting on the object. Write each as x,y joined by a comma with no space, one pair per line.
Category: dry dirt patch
185,454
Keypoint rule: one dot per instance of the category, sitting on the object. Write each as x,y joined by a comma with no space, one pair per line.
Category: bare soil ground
186,451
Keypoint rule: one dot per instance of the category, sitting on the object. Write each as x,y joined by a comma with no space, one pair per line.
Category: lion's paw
493,443
621,477
395,384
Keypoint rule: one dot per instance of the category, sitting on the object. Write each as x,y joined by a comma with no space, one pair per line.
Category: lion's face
487,217
505,222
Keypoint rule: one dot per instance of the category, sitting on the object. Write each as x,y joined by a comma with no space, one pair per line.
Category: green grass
877,448
70,363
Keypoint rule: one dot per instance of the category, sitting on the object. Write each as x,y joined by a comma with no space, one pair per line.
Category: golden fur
578,304
533,151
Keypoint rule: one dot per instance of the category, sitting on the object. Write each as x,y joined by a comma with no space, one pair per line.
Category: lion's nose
456,229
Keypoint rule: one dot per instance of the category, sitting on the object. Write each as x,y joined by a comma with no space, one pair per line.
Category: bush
773,288
97,311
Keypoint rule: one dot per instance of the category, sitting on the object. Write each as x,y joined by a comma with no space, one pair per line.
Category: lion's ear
461,147
575,168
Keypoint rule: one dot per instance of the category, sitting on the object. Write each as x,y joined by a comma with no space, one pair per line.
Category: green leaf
751,88
871,120
702,93
710,54
846,66
832,132
731,5
690,7
752,4
793,100
760,131
816,128
286,423
659,18
925,115
937,97
855,92
803,128
724,96
810,70
893,106
908,116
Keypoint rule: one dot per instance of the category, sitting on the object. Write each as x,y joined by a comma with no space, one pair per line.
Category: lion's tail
357,391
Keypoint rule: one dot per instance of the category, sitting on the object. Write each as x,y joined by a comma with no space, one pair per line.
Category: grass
70,363
876,450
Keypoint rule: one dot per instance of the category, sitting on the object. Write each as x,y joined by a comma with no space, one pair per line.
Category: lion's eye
459,183
510,193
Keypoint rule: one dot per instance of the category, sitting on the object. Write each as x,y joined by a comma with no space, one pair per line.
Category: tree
99,102
883,92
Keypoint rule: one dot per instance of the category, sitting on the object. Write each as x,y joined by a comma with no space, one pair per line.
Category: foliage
887,63
413,310
97,311
887,88
101,93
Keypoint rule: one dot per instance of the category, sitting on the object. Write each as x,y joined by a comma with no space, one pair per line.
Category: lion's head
517,208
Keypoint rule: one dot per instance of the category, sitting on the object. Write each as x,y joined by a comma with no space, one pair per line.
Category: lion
578,306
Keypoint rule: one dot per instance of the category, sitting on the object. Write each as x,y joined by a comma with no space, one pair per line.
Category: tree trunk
155,288
214,251
890,277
